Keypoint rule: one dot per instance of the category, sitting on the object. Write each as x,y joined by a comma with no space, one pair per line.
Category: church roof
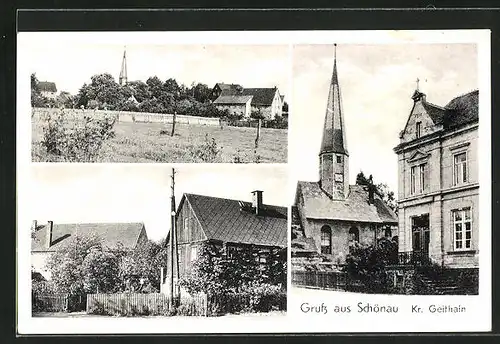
334,135
318,205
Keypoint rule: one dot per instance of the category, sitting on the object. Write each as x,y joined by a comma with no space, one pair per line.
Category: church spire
334,139
123,72
334,158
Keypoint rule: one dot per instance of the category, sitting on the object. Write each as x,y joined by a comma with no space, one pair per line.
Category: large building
333,213
48,89
438,187
243,101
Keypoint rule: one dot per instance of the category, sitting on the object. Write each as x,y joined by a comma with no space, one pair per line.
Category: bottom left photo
158,240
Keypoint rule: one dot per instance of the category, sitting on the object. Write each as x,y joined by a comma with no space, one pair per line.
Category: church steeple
123,72
334,157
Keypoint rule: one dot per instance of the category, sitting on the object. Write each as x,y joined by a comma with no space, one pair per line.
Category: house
49,238
229,224
234,97
48,89
333,215
236,104
228,88
438,187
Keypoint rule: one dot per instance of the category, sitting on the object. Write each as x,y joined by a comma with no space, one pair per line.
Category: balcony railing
414,258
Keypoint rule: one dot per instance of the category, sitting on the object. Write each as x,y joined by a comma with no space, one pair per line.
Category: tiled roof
261,96
223,219
436,113
317,205
463,109
111,234
223,99
47,86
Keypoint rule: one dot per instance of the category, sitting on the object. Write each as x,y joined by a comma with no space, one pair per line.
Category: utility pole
173,236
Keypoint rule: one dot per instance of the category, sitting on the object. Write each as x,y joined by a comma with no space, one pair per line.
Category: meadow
151,142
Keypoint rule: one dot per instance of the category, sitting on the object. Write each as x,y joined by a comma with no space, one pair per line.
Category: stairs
444,282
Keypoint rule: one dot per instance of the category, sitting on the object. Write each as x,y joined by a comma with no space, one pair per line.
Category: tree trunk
258,134
173,124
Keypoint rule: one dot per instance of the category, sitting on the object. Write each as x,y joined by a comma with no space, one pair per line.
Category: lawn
144,142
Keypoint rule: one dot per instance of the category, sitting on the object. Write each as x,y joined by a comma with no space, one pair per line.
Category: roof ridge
231,199
435,105
462,95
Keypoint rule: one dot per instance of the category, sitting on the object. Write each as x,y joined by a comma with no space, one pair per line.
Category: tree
100,271
381,189
37,100
66,264
201,93
104,90
140,90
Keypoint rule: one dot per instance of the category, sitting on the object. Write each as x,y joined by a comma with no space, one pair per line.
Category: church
332,214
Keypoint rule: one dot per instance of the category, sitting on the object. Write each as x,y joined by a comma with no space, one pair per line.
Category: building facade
228,224
48,89
333,213
236,105
438,187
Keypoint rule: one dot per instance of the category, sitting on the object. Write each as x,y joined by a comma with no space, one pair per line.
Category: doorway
420,238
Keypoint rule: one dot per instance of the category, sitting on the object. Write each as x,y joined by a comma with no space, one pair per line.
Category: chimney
50,227
257,201
371,197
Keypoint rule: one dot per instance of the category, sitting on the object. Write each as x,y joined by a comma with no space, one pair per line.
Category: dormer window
418,129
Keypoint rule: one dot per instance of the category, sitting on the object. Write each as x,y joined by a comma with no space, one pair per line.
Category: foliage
209,151
103,90
256,113
368,262
37,100
381,189
217,272
100,272
80,142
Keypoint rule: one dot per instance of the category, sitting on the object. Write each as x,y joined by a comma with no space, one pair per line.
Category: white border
478,316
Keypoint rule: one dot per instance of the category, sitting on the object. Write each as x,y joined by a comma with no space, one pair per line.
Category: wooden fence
144,304
126,116
49,302
332,280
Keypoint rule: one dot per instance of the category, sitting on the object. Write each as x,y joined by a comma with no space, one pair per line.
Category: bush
209,151
81,141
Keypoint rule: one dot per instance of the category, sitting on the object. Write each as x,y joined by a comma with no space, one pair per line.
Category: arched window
354,234
326,239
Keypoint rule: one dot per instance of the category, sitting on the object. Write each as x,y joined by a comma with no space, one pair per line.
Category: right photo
383,156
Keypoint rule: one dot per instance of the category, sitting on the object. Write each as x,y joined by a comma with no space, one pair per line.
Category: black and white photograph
217,248
396,206
171,103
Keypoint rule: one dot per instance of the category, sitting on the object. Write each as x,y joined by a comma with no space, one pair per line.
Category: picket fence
50,302
126,116
332,280
144,304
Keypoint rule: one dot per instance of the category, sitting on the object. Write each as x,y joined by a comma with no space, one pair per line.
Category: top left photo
105,101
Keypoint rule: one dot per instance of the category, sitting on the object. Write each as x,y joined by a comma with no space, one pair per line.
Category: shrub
81,141
209,151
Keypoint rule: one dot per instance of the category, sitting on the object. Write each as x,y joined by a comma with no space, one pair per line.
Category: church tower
333,155
123,72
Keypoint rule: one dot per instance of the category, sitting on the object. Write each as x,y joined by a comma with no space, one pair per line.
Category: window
186,224
194,253
354,234
388,232
326,240
462,229
460,168
339,159
418,129
413,180
422,170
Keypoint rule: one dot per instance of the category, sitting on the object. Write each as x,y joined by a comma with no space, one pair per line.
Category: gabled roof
462,110
223,99
317,205
111,234
437,113
46,86
261,96
228,87
223,219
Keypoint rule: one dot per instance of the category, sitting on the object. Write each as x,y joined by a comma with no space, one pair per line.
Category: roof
223,219
111,233
261,96
462,110
47,86
334,134
317,205
223,99
228,87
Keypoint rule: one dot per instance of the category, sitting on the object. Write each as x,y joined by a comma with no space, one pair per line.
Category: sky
70,64
376,83
72,193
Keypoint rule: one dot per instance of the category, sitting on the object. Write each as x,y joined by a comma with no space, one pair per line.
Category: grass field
142,142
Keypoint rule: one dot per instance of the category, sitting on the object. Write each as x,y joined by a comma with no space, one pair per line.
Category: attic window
418,129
